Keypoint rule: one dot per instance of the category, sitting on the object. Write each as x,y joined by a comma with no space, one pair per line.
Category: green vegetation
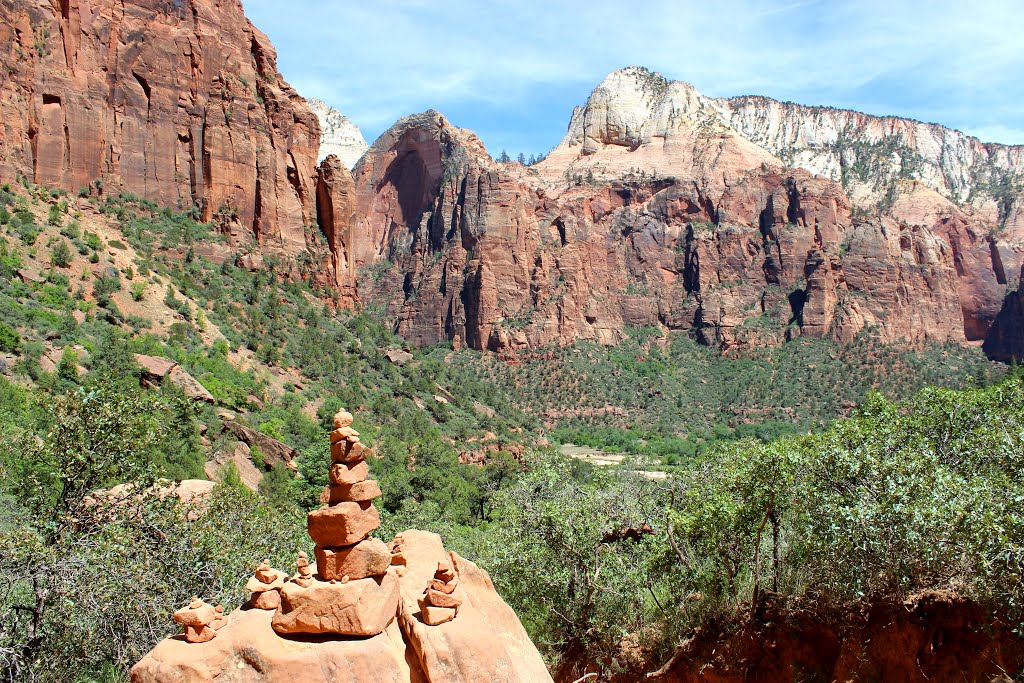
900,498
766,490
669,398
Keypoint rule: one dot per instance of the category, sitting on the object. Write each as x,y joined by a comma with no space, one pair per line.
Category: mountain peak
338,134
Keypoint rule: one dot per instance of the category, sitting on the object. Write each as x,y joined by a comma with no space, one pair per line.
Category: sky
512,70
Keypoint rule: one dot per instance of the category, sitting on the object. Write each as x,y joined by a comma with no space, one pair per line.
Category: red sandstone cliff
177,101
658,209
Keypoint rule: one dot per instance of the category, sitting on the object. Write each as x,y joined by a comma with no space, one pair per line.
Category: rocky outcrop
868,154
155,369
935,636
1005,340
658,208
339,136
272,451
422,614
179,102
335,205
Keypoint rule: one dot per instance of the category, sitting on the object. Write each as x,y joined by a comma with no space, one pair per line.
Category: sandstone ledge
486,642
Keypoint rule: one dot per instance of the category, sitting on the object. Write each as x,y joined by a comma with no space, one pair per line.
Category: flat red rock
342,524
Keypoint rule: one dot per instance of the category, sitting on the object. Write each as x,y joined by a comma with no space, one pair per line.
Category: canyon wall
664,207
176,101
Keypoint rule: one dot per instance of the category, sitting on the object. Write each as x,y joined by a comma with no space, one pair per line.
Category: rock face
335,206
177,101
1005,340
746,221
338,135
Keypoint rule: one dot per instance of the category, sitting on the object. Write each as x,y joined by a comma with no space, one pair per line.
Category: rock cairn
264,587
352,593
304,575
341,528
439,602
201,621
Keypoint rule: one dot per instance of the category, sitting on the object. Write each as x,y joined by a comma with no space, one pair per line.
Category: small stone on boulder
366,558
349,473
433,616
358,492
342,524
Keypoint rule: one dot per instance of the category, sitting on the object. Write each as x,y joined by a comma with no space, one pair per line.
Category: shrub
60,255
138,291
10,341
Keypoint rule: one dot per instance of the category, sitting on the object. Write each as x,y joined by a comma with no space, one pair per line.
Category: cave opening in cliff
409,181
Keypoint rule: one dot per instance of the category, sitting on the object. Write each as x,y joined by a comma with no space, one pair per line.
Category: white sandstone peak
338,135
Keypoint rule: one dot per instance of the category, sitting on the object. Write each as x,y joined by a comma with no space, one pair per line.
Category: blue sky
513,70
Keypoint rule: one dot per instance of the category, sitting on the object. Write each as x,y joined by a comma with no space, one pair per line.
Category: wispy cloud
512,70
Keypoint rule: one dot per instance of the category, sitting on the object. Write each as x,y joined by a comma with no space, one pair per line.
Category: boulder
273,450
363,607
485,642
155,369
189,385
249,650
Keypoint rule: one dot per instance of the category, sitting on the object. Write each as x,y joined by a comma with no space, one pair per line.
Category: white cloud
951,61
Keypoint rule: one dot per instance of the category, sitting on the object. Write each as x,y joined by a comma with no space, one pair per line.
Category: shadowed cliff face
1005,338
177,101
657,210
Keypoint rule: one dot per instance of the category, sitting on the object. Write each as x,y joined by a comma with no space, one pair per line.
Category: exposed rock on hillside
657,209
338,135
930,637
405,611
156,369
1005,341
176,101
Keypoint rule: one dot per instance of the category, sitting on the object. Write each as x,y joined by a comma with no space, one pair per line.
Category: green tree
60,256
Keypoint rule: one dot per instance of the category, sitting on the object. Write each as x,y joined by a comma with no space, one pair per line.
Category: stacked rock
341,529
439,602
352,593
200,620
305,574
264,587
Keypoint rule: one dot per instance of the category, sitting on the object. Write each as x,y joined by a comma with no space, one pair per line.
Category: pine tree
504,158
521,159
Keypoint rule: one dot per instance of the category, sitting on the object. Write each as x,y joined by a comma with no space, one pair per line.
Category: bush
60,256
10,341
138,291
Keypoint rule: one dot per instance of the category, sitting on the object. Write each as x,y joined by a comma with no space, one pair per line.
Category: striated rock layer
664,207
485,643
176,101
